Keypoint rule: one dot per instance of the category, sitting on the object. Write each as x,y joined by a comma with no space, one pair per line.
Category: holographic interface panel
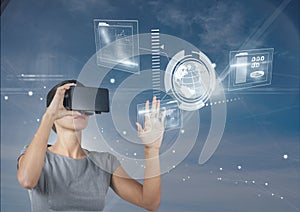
117,44
250,68
173,115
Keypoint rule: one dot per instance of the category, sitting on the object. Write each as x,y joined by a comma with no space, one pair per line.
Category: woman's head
74,122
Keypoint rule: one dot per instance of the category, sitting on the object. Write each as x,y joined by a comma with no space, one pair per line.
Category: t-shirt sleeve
22,152
114,163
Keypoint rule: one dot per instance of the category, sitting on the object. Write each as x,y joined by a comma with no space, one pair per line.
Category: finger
153,109
157,108
139,127
147,115
66,86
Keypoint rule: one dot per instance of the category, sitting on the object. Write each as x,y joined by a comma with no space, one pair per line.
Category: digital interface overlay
250,68
123,55
118,127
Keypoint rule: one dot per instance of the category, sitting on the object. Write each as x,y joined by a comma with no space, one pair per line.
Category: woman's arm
31,163
147,195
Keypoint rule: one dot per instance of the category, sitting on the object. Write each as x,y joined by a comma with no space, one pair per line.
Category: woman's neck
68,144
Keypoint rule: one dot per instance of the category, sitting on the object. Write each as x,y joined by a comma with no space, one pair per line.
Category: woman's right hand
56,109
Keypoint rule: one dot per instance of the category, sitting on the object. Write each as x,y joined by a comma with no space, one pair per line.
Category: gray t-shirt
68,184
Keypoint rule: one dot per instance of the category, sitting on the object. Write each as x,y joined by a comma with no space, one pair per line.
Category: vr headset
87,100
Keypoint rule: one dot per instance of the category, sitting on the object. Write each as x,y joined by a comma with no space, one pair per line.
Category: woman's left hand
153,131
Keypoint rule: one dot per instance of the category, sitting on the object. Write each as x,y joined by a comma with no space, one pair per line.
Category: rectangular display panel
250,68
116,44
173,114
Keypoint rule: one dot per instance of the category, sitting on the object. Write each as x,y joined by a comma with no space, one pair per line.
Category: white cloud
218,25
86,6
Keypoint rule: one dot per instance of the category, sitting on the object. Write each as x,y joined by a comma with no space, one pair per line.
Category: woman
66,177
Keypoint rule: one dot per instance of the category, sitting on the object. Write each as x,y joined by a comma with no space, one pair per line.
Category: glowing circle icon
191,79
257,74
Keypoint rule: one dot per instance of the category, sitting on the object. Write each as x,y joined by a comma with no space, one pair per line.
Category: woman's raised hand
152,133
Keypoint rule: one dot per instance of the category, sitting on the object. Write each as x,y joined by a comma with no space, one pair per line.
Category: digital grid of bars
155,53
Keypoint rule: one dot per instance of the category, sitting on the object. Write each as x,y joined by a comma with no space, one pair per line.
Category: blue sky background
56,38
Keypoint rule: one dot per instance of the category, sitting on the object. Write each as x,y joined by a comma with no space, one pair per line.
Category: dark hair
52,92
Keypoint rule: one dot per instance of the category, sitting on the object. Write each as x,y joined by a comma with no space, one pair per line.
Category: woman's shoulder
97,152
104,160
